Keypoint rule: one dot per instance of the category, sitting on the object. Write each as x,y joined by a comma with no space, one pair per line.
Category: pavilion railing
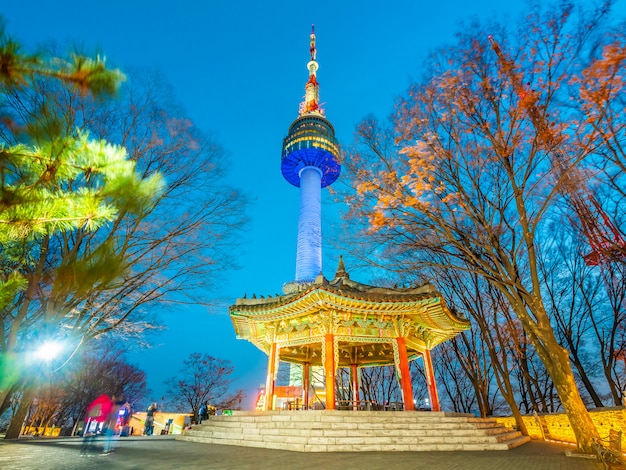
369,405
354,405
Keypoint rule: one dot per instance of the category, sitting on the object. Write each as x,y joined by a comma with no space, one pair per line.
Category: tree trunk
503,379
15,427
559,367
5,397
556,360
538,400
519,419
76,421
616,394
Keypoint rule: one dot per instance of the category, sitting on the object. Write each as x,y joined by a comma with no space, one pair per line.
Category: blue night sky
239,68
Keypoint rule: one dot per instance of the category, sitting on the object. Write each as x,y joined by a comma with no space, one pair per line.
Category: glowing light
49,350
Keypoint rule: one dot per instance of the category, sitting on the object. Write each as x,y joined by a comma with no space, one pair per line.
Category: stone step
380,429
390,431
325,447
355,417
329,437
372,424
346,431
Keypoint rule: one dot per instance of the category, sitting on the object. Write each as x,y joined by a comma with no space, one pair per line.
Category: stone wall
40,431
557,427
179,421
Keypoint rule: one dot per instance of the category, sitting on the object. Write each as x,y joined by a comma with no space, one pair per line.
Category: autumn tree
203,379
464,175
601,100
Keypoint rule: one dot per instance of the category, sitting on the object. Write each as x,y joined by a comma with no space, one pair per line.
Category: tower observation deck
310,161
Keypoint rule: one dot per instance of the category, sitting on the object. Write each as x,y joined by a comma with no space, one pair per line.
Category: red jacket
100,409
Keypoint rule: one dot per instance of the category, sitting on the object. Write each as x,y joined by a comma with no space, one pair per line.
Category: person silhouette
97,415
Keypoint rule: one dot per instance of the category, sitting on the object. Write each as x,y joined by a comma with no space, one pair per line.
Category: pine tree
54,182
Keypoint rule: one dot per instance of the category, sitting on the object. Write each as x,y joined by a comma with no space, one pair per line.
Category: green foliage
15,67
88,240
80,275
10,369
66,181
56,184
88,75
9,288
69,183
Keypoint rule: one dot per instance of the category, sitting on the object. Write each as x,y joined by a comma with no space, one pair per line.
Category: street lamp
49,350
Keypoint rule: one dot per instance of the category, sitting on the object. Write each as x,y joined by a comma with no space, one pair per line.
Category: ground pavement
163,452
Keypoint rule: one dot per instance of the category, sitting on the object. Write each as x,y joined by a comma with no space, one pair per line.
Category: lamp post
37,362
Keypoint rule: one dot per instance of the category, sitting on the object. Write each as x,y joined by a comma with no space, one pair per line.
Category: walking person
148,430
98,413
203,413
110,424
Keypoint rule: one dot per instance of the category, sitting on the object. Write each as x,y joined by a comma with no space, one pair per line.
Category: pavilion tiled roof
357,310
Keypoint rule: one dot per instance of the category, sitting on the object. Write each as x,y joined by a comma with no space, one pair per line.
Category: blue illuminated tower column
310,161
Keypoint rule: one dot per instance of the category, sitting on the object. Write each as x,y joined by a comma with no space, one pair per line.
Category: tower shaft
309,249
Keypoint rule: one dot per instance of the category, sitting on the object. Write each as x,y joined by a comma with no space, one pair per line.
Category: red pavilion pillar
355,386
271,378
405,375
329,370
430,381
306,384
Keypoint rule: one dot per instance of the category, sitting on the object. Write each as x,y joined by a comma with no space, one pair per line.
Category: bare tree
467,176
457,385
60,397
379,384
83,283
203,379
573,291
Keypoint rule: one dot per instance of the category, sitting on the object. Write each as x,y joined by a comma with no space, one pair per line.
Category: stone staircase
355,431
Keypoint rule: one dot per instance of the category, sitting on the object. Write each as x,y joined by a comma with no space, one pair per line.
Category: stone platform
355,431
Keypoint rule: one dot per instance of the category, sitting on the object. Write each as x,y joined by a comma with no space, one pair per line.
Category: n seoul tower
310,161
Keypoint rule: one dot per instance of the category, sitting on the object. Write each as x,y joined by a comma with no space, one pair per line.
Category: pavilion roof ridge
347,288
426,288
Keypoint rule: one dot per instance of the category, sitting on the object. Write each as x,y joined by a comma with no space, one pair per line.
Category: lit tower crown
310,161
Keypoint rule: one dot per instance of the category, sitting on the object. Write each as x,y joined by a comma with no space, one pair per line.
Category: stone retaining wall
556,426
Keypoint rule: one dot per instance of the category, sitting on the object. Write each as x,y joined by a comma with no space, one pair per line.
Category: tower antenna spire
313,50
311,101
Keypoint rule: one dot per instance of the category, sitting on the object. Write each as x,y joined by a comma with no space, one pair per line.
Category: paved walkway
163,452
